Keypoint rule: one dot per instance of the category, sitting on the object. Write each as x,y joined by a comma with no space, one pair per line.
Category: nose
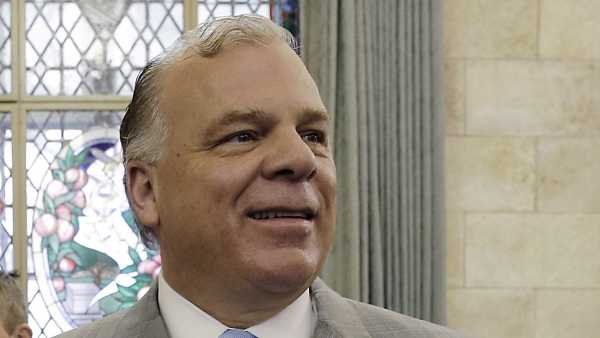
289,158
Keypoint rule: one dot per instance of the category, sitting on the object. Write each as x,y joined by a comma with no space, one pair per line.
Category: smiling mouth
279,214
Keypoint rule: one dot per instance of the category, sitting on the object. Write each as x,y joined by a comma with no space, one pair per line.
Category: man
228,168
13,309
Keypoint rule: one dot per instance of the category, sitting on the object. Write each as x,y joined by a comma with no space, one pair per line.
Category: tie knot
234,333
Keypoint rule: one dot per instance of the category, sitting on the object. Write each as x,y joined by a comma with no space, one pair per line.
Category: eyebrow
253,115
240,116
310,115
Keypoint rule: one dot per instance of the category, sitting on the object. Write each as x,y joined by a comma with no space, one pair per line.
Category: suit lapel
143,320
336,317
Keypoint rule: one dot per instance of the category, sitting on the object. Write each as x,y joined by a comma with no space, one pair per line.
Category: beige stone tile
454,96
571,248
500,29
501,250
532,250
568,313
455,258
454,27
570,29
532,98
489,174
568,175
492,313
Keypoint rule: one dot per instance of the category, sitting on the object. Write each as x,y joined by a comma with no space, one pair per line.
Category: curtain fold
378,67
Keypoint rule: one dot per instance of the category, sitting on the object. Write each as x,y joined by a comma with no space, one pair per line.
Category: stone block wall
522,97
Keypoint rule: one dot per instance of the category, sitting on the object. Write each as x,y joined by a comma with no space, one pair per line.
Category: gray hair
144,128
13,310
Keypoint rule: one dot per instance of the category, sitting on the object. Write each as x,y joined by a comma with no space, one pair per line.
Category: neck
235,308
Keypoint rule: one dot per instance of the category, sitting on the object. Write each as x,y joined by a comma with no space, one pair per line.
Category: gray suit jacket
337,317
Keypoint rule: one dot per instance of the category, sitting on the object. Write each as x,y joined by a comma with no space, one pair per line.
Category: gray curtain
378,66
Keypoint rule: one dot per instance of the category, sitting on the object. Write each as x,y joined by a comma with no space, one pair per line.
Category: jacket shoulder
381,322
101,328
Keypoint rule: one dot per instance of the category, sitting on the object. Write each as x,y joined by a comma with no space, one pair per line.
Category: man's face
245,191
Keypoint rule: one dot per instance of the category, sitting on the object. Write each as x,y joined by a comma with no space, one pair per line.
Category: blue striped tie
234,333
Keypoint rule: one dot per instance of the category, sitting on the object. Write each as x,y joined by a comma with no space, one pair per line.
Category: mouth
281,213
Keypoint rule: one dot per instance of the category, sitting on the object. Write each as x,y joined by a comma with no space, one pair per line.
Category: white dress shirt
184,319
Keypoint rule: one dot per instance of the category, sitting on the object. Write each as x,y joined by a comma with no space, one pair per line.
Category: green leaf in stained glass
53,243
77,211
143,279
110,304
85,279
62,165
81,157
129,218
129,269
62,199
75,222
90,257
69,158
58,175
127,293
49,205
135,257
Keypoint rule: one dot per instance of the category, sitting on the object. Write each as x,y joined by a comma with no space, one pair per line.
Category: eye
242,137
314,137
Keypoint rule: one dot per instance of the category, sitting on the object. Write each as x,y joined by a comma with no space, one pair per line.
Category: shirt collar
297,320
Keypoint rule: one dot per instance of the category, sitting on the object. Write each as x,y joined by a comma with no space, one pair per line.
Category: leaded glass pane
283,12
5,47
209,9
85,256
6,194
95,46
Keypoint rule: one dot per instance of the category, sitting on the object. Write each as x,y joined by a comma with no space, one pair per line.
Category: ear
141,192
22,331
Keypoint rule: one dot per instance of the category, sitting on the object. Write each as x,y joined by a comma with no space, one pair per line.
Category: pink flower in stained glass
79,199
63,212
56,188
58,283
46,225
66,264
148,266
76,177
66,231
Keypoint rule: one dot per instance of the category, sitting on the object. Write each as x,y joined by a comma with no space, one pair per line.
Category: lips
282,213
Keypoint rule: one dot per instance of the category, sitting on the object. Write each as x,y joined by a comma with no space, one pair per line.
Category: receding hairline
180,62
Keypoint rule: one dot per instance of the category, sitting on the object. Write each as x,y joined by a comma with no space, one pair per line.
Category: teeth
278,214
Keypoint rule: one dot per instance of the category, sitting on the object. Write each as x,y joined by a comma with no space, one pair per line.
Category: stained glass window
6,194
95,46
85,256
286,13
283,12
208,9
5,47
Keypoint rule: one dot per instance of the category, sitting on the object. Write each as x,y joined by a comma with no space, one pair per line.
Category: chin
287,273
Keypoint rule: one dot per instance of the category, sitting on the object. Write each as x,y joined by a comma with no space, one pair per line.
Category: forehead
269,78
